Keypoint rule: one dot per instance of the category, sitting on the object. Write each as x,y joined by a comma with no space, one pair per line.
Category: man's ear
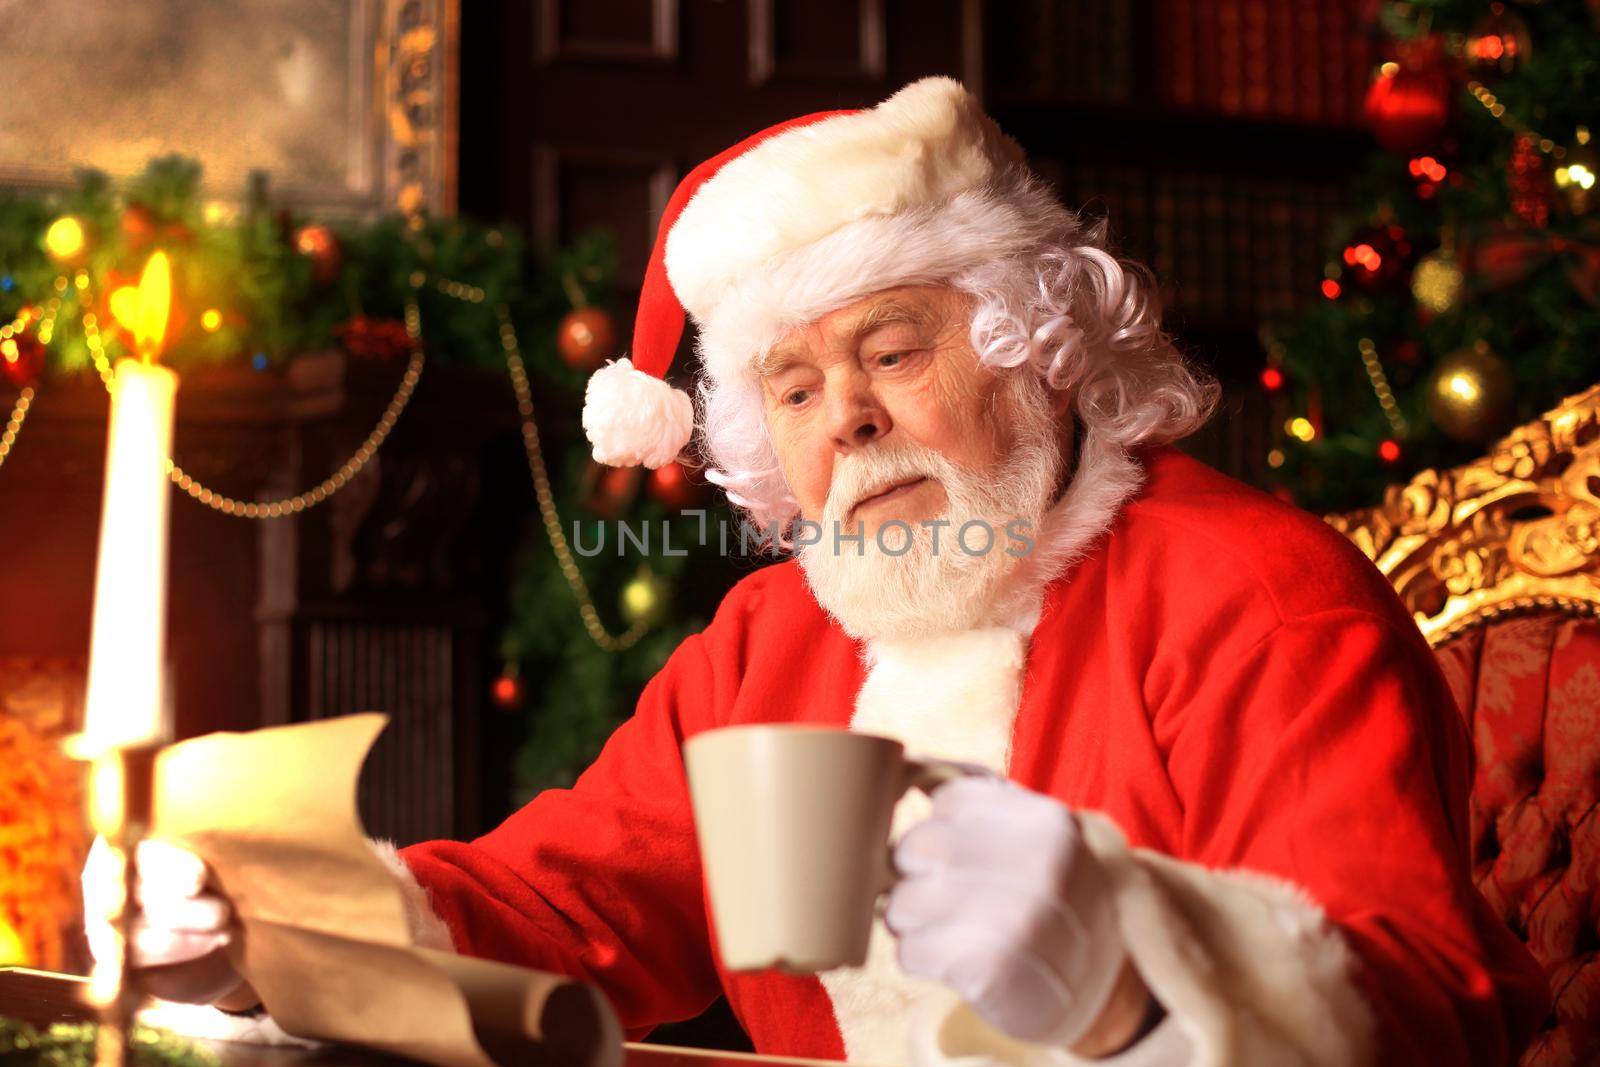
1060,400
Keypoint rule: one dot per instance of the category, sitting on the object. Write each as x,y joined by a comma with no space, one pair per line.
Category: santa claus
1226,822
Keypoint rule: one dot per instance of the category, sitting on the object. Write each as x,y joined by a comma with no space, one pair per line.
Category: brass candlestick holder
121,799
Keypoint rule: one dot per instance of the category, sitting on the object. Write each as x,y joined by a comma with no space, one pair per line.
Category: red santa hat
795,221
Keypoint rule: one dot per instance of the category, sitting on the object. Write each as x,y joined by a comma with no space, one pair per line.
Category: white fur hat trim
908,157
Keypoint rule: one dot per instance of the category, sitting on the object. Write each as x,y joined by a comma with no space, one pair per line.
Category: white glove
1001,900
180,937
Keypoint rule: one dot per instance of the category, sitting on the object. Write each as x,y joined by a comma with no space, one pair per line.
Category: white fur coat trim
951,697
203,1021
1247,966
921,146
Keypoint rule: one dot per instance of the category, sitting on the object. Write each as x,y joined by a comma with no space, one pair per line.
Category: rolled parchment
323,939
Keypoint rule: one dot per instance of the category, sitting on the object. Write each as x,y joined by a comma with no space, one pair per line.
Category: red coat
1223,676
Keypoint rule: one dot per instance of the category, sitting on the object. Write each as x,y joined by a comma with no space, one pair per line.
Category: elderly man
1227,823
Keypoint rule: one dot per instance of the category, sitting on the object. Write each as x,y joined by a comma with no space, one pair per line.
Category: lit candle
126,705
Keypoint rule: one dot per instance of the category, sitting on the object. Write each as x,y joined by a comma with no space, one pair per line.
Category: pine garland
73,1045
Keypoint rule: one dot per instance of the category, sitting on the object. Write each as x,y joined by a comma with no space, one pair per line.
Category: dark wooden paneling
788,40
579,189
638,31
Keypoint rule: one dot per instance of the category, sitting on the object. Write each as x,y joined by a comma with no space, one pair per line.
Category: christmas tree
1462,294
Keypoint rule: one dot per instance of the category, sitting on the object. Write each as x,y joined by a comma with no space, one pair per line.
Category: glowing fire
143,308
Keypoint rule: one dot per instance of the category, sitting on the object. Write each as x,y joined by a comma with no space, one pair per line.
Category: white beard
922,592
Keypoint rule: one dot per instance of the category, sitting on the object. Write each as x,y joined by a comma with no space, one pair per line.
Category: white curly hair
1059,305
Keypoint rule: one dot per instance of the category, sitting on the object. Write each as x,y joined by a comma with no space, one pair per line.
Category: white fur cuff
426,928
634,418
1248,967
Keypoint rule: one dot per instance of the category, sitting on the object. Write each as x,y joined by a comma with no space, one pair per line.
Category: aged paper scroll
324,939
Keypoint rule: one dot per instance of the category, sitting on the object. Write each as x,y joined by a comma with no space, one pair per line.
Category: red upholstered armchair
1499,561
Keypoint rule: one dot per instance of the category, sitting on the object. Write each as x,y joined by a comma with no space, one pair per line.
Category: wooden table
41,998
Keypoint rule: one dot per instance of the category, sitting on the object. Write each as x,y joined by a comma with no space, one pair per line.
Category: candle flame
155,298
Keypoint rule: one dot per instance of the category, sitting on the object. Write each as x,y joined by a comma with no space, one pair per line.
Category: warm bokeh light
506,691
1462,385
1272,379
125,305
1389,451
1300,429
1275,458
1429,168
64,239
1363,256
211,320
1576,176
1331,289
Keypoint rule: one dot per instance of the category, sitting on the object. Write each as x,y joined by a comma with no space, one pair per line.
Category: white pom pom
632,417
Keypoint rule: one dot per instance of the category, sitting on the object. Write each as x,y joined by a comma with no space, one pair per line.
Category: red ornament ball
323,248
672,487
508,691
1408,107
585,338
21,359
369,337
611,490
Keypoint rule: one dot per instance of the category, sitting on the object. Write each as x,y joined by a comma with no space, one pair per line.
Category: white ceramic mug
793,823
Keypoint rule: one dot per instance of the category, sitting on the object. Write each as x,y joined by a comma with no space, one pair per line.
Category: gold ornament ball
644,598
1470,395
1436,282
1575,176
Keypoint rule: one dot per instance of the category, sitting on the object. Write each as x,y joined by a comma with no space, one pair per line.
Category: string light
1380,385
1577,174
1493,106
547,503
19,414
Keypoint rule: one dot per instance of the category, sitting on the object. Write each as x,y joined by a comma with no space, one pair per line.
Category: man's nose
856,416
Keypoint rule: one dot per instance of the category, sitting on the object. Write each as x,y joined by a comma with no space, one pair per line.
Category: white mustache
870,472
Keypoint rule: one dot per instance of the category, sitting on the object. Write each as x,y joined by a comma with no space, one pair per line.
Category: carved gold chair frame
1515,531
